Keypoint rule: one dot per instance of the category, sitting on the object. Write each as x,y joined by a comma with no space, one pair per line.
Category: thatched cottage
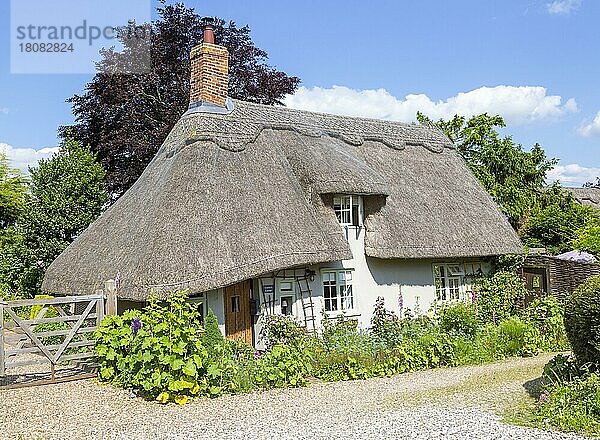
257,209
586,196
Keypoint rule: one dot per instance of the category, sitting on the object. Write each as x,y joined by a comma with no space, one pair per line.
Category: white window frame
345,214
290,306
200,299
455,281
341,297
291,293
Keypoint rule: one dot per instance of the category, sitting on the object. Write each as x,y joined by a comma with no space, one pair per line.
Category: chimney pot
209,34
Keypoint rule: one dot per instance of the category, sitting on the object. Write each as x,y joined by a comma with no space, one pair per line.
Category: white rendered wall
214,300
409,282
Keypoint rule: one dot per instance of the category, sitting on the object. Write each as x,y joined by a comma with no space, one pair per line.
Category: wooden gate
48,331
238,321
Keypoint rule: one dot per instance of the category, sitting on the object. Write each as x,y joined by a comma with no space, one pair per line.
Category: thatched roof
233,196
587,196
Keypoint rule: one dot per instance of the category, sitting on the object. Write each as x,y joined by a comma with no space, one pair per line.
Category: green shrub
165,354
212,334
337,365
282,330
547,315
459,319
511,337
572,406
157,351
496,296
342,334
431,349
283,366
582,321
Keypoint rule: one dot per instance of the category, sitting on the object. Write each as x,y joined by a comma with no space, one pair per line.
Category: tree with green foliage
12,193
588,238
514,177
13,189
556,220
66,193
126,117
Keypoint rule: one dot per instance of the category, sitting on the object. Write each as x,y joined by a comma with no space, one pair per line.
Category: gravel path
453,403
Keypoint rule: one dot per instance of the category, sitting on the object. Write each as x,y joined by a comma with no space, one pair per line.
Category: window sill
350,313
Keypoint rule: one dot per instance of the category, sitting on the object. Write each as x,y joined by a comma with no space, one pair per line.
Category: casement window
337,290
287,297
348,209
455,282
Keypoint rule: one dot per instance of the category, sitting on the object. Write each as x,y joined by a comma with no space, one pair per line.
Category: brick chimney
209,71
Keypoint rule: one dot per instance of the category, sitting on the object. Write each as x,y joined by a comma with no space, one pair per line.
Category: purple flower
256,354
136,325
474,297
543,397
400,302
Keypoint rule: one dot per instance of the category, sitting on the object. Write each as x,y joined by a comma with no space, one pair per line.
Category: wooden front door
238,321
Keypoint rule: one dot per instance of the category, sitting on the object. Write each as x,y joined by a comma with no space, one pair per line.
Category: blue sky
534,62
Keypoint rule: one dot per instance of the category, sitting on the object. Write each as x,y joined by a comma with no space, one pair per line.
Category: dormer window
348,209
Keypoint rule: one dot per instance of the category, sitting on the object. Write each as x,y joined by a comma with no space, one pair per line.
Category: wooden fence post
110,288
2,358
100,306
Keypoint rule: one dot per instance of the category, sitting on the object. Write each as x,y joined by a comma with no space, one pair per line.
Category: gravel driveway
455,403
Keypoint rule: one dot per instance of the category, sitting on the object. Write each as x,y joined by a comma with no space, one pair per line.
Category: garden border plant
164,353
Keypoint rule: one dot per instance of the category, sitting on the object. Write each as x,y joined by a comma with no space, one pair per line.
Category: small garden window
348,209
337,290
286,303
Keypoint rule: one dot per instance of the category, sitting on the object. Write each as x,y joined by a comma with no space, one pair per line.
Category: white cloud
563,6
23,158
4,110
573,174
516,104
590,128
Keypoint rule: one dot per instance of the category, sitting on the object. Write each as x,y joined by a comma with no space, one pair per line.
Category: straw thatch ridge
233,196
587,196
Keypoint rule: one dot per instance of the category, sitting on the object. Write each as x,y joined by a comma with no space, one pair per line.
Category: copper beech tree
126,117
